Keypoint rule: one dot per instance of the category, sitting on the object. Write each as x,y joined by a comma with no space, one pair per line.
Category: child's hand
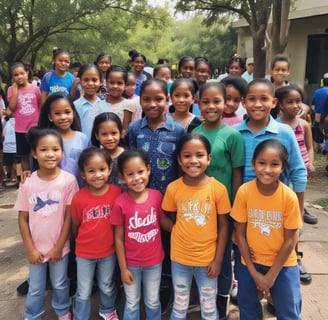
34,257
310,170
14,88
127,276
213,269
263,283
55,254
25,174
76,81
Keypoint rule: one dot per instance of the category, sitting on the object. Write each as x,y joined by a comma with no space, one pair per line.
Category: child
91,211
268,219
279,71
131,84
200,205
162,71
233,110
186,67
202,72
24,101
226,166
59,112
106,133
90,79
136,217
116,78
235,67
59,79
103,62
44,221
183,96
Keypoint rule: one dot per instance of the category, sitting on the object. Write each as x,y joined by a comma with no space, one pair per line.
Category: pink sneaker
109,316
67,316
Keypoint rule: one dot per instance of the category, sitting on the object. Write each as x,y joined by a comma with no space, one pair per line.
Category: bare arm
300,197
44,96
12,103
166,222
309,146
126,121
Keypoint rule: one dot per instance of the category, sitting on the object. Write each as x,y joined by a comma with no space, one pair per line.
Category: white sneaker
109,316
234,290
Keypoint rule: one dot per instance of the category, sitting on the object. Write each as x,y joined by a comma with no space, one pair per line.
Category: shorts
9,159
23,148
317,132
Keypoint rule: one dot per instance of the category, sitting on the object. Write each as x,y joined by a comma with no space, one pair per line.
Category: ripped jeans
207,288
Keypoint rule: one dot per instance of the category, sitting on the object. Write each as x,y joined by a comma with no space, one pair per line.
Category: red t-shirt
95,238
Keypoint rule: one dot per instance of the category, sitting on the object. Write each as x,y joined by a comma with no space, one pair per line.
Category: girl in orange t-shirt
268,219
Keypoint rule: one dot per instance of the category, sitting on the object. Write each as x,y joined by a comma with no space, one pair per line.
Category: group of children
158,190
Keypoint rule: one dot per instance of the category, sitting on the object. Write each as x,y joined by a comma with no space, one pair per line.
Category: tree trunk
259,53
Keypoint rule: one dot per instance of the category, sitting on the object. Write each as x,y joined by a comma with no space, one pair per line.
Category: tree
28,25
256,14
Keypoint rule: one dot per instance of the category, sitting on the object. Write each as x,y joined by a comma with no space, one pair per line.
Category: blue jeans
207,288
285,292
61,301
107,290
150,277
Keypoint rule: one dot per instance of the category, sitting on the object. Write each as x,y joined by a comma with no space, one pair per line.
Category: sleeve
71,188
131,135
292,218
239,211
168,203
116,217
44,86
75,208
222,200
21,203
237,150
130,106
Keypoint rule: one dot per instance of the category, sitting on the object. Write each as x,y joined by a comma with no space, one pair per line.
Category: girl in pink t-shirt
24,100
137,217
44,219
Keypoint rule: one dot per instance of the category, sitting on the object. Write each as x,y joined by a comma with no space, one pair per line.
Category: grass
319,160
323,202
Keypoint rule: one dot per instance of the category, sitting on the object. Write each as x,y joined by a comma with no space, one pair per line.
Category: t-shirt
194,235
95,238
52,83
266,218
142,233
231,121
27,111
227,151
46,202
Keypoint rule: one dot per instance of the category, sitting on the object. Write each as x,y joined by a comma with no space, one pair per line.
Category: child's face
233,100
138,64
135,175
153,102
103,64
292,104
61,114
20,76
235,69
48,152
182,98
96,172
90,82
75,71
202,72
259,101
164,74
194,159
130,86
62,62
115,84
187,69
268,166
211,106
108,135
280,71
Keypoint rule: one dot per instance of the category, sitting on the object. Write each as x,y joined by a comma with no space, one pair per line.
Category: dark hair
260,81
236,58
184,60
192,136
44,121
130,73
129,154
89,66
133,54
158,68
239,83
208,85
161,83
272,144
201,60
88,153
279,58
99,119
35,134
283,92
101,56
58,51
19,64
76,65
163,61
117,68
180,81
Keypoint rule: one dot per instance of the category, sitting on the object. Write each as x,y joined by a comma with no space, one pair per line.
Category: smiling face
61,62
235,69
115,84
109,135
291,105
104,63
182,98
280,72
90,82
187,69
138,65
20,76
211,105
202,72
233,101
131,85
62,115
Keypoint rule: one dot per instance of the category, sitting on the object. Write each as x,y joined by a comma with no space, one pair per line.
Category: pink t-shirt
46,202
142,233
231,121
27,111
95,238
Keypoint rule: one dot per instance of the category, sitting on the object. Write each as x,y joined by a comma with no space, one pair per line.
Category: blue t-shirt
160,145
52,83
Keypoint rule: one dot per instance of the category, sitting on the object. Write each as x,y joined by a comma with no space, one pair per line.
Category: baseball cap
251,60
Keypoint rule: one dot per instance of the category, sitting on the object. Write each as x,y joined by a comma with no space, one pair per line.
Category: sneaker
109,316
23,288
193,308
234,291
67,316
305,277
309,217
222,303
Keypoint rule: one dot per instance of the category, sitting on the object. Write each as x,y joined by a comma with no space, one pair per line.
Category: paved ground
13,264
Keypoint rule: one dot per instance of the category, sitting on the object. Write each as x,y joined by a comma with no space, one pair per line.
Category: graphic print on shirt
196,210
26,102
45,203
265,220
98,212
143,229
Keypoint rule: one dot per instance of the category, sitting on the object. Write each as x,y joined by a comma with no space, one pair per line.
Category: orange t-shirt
194,235
266,218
